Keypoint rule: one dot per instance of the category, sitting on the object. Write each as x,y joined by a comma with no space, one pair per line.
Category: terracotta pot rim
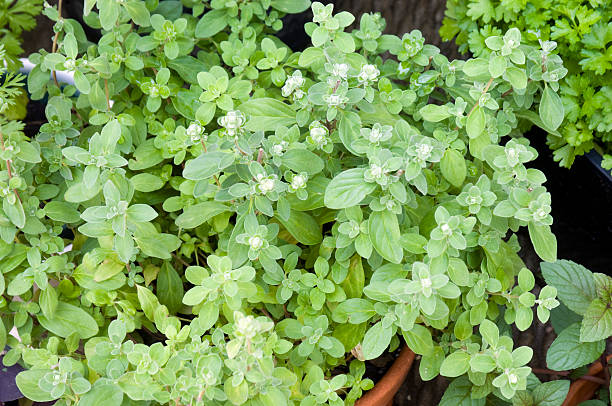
383,392
581,389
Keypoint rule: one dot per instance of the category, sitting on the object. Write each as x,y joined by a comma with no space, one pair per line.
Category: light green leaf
62,211
453,167
105,394
544,241
551,109
266,114
148,302
384,233
434,113
290,6
198,214
347,189
303,227
376,340
27,382
211,23
68,319
158,245
475,123
419,339
207,164
146,182
302,160
455,364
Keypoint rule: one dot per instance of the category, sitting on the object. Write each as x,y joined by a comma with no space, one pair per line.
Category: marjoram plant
208,218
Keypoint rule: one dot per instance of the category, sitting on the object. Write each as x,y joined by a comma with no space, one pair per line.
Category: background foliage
582,30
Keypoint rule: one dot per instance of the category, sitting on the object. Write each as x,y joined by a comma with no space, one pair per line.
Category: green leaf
551,109
138,12
354,311
455,364
148,302
3,335
568,352
207,164
158,245
429,367
211,23
302,160
419,339
48,301
597,321
476,67
290,6
188,67
434,113
198,214
551,393
497,65
105,394
544,241
14,212
68,319
376,340
62,211
574,283
475,123
347,189
28,153
146,182
27,382
303,227
385,234
170,288
267,114
453,167
459,393
517,77
355,279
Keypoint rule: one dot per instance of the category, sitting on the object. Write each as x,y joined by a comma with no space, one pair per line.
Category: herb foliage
243,216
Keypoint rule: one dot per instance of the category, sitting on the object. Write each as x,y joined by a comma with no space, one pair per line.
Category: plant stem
8,165
108,106
54,47
486,89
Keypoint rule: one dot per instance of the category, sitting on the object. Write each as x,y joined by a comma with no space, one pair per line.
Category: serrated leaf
568,352
597,321
574,283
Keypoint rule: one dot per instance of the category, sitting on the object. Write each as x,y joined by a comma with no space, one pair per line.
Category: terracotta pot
383,392
582,389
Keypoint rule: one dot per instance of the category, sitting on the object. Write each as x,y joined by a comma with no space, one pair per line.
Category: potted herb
246,220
